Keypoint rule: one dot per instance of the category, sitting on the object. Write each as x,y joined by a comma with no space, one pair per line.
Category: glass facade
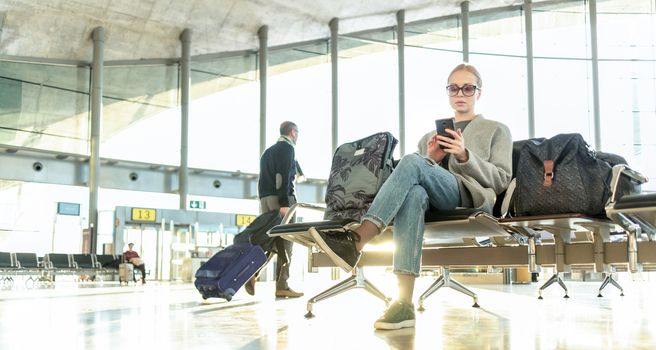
368,88
627,75
299,90
497,42
432,50
141,117
224,114
46,106
563,72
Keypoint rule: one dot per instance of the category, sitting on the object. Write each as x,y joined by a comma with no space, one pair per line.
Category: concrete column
263,35
334,52
400,41
185,93
97,67
595,73
464,13
530,92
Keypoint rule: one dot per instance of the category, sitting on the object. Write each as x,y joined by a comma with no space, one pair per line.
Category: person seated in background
133,258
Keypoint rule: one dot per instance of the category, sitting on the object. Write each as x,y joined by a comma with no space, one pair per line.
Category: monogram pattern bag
561,175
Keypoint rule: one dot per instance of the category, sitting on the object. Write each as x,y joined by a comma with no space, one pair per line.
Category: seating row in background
44,270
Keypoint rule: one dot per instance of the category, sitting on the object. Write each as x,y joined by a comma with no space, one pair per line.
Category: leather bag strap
548,173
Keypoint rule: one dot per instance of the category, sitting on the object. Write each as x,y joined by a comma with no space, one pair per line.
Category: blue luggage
228,270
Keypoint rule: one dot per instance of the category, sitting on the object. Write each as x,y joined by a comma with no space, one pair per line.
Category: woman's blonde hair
469,68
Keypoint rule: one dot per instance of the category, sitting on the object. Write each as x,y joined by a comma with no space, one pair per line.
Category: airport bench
52,264
451,239
8,267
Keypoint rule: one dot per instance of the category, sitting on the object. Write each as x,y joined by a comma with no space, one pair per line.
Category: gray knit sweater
489,168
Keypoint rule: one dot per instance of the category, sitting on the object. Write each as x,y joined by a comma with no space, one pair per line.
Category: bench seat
469,237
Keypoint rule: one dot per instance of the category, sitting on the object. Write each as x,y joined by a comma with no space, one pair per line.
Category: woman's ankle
366,232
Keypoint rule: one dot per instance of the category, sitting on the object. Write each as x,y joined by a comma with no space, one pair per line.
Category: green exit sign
197,204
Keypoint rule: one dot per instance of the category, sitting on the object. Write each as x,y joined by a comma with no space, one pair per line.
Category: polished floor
173,316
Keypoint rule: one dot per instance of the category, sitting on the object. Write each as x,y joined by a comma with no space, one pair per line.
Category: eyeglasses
467,89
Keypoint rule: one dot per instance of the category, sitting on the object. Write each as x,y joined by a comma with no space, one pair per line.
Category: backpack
562,175
358,171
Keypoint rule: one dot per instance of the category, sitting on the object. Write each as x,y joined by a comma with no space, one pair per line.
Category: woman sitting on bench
446,173
133,258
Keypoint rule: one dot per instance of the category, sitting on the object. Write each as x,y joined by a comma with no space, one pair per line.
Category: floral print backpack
358,171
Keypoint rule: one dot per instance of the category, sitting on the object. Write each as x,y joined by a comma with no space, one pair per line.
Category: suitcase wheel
229,293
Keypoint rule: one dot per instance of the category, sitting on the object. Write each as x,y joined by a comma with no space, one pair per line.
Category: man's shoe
288,293
339,245
250,286
399,315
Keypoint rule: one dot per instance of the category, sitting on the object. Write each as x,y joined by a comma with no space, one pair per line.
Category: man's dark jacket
278,162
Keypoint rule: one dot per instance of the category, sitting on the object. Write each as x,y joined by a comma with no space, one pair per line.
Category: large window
368,88
627,75
224,114
44,106
498,50
563,87
432,50
141,118
299,90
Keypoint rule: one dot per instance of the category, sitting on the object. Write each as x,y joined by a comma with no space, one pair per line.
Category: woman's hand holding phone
435,151
451,140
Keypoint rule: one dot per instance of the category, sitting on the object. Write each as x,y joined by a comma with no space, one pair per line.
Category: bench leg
609,279
445,281
356,280
554,278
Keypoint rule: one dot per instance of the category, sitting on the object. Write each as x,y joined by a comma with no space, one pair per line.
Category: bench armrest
620,170
292,210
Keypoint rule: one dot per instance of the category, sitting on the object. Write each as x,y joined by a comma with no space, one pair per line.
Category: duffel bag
561,174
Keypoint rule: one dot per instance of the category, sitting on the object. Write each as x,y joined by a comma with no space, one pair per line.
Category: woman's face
461,103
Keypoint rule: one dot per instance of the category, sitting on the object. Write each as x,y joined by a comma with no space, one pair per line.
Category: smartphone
442,124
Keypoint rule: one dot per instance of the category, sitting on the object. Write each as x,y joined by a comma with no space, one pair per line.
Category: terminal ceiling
60,29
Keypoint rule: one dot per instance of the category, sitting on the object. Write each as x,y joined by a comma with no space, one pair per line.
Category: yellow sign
144,214
245,220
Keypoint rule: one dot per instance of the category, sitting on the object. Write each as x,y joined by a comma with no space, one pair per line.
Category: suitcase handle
243,270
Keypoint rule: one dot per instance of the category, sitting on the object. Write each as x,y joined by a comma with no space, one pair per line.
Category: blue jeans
404,197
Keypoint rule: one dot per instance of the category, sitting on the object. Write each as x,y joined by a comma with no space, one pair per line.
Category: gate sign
244,220
144,214
197,204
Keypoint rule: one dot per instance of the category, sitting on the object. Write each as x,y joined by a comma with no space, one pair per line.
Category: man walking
278,169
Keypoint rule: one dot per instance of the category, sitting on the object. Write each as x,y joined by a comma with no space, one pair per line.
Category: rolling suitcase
228,270
125,273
